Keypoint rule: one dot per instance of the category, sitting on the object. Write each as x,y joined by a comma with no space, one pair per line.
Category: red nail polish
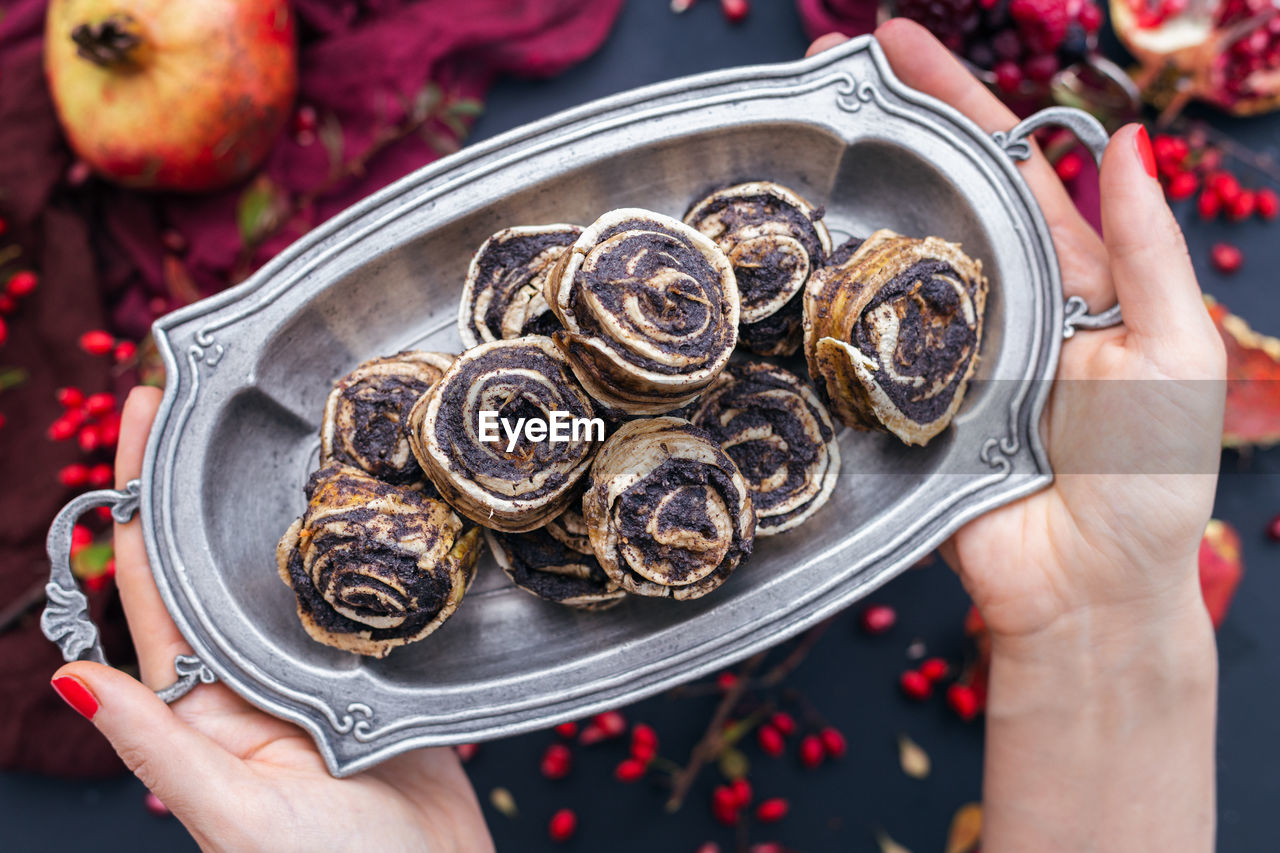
75,694
1145,154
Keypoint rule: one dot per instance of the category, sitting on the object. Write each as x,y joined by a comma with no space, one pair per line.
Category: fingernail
75,694
1145,154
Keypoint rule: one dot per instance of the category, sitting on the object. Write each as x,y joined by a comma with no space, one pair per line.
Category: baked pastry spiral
667,511
778,433
774,239
650,311
375,566
366,411
517,489
504,294
556,563
892,333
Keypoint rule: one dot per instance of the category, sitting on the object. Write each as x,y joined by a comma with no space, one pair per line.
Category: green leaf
734,763
425,102
92,559
466,107
12,377
258,211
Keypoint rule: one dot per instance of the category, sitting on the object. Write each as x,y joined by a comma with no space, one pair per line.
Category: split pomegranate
177,96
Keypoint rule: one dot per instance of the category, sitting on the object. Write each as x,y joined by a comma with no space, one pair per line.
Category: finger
826,42
923,63
182,767
1154,279
155,638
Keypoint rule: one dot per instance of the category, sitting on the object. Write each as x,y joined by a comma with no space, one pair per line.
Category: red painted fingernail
1145,154
75,694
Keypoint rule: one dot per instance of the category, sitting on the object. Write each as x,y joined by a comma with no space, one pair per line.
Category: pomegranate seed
1182,186
784,723
567,730
101,476
724,805
70,398
735,10
80,538
63,428
611,723
7,304
22,283
124,351
98,405
1208,205
934,669
725,681
878,618
563,825
153,805
466,751
811,751
742,792
772,810
557,761
833,742
630,770
1242,207
1226,257
89,438
1008,76
770,740
915,685
74,476
97,342
1069,166
1273,529
1267,201
962,699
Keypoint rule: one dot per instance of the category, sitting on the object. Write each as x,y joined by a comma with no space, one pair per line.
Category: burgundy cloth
851,17
115,258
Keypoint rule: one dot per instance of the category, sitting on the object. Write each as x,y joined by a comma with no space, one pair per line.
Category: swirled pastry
774,239
779,435
366,411
892,333
522,381
668,513
504,294
556,563
650,311
375,566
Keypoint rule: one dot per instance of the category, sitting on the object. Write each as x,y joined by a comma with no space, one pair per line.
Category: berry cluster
1016,40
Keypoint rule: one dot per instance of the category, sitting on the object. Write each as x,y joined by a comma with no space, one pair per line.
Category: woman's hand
238,778
1101,703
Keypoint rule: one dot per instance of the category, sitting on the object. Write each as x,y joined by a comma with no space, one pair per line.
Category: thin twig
15,609
793,660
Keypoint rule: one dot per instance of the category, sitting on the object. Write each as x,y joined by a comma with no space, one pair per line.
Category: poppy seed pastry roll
774,239
365,414
375,566
649,308
526,380
667,511
779,435
891,334
504,294
556,563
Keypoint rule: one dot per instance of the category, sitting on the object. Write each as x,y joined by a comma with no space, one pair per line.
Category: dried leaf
966,829
425,102
1253,381
178,281
259,210
329,132
441,143
887,844
1221,566
502,800
734,763
914,760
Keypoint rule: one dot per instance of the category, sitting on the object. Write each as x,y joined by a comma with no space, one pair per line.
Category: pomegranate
177,96
1225,52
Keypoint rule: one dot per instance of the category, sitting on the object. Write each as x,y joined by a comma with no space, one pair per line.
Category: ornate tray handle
1017,144
66,621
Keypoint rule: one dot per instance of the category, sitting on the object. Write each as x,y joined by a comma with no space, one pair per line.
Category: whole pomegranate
171,94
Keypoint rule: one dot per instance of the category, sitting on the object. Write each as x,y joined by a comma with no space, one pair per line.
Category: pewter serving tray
248,372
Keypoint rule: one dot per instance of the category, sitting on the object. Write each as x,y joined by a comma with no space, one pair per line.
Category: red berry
124,351
735,10
101,476
1182,185
1090,17
878,618
1069,166
707,846
109,430
1267,202
630,770
4,332
1008,76
724,805
1225,186
1041,68
1226,258
89,438
567,730
644,736
915,685
784,723
109,567
811,751
741,792
3,420
70,398
770,740
80,538
63,428
1273,529
152,804
466,751
772,810
97,342
304,120
591,734
7,304
611,723
4,225
934,669
962,699
74,476
726,680
767,847
557,761
98,405
22,283
833,742
563,825
1208,205
1242,207
95,583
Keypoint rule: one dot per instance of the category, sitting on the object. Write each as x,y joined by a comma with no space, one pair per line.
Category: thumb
181,766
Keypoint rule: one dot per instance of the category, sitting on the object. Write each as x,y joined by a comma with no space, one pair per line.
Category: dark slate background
848,678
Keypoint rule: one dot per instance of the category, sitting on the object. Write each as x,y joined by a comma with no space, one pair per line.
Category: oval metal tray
248,372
